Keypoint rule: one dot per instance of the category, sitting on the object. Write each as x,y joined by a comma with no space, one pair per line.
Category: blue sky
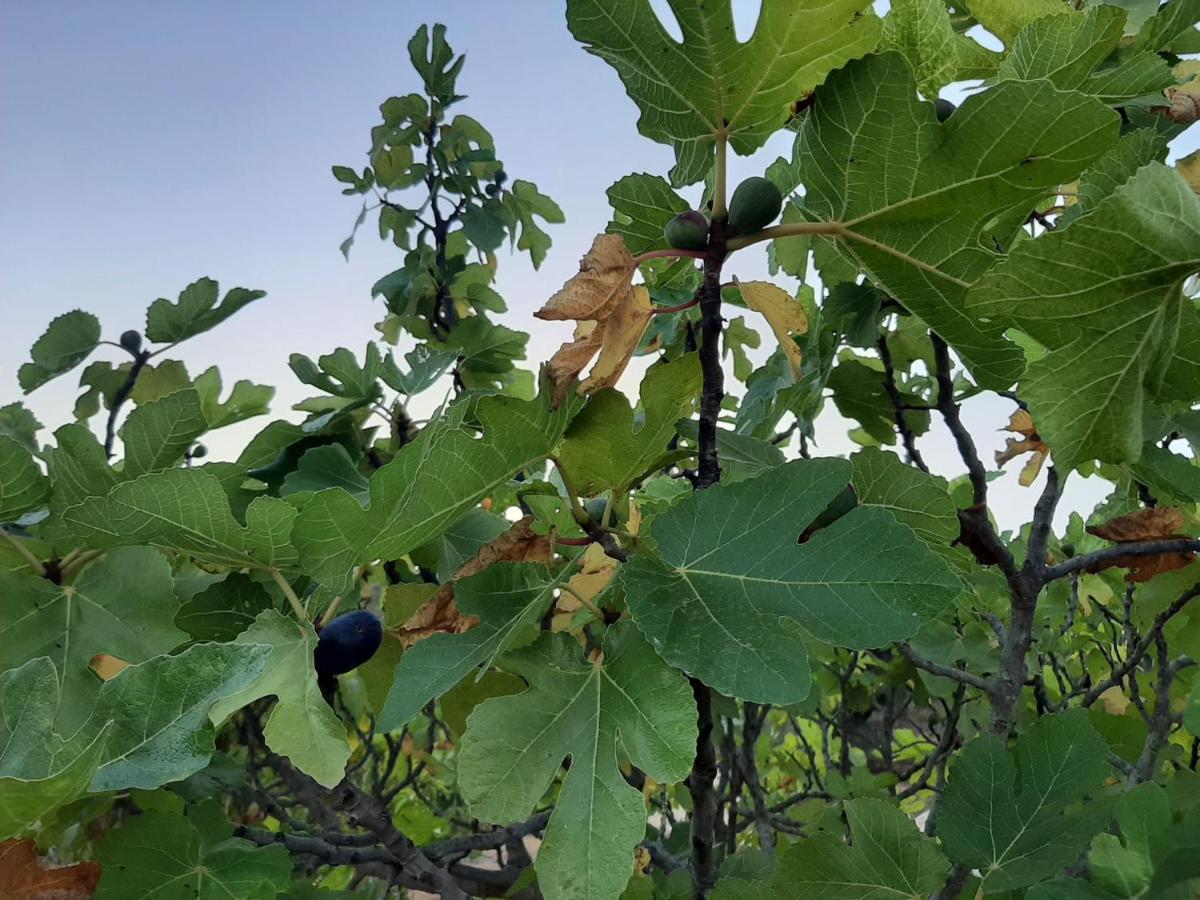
144,144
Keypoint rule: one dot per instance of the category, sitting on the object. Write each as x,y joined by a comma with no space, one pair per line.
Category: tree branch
962,676
704,798
898,407
1108,554
110,429
488,840
1140,649
973,521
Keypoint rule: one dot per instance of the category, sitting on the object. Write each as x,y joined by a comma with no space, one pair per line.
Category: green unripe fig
687,231
944,109
132,341
755,205
595,511
595,508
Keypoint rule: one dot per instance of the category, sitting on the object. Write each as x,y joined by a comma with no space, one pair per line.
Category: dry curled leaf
598,288
1029,442
612,316
622,333
572,358
1143,525
439,614
1155,524
1184,98
26,876
783,313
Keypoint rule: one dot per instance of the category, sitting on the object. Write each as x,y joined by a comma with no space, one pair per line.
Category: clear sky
145,144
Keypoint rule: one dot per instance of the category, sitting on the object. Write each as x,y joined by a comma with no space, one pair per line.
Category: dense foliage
554,642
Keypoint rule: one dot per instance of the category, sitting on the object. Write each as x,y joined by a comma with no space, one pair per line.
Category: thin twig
898,407
960,675
1108,554
110,429
1135,657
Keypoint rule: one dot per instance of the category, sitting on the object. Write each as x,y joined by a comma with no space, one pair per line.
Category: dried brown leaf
1154,524
26,876
1143,568
600,286
1029,442
572,358
622,333
612,316
440,614
1184,98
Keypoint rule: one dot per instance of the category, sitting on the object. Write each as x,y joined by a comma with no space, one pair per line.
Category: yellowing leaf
783,313
1114,701
600,285
612,316
1189,168
622,333
596,570
1004,18
1029,442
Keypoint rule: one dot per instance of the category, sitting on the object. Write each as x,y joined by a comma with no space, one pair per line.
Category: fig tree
687,231
755,205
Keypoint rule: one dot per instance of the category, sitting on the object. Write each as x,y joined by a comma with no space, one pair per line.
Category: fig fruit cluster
755,204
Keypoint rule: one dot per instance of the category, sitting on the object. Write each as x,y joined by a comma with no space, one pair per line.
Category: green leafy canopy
770,615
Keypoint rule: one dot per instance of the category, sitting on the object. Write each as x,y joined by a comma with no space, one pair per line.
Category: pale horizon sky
143,145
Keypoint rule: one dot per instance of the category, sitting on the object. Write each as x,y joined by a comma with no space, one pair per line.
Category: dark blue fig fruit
347,642
131,341
945,109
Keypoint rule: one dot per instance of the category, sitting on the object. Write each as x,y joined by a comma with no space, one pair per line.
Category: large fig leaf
733,598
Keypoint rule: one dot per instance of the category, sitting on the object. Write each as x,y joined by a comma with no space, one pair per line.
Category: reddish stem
659,310
668,254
